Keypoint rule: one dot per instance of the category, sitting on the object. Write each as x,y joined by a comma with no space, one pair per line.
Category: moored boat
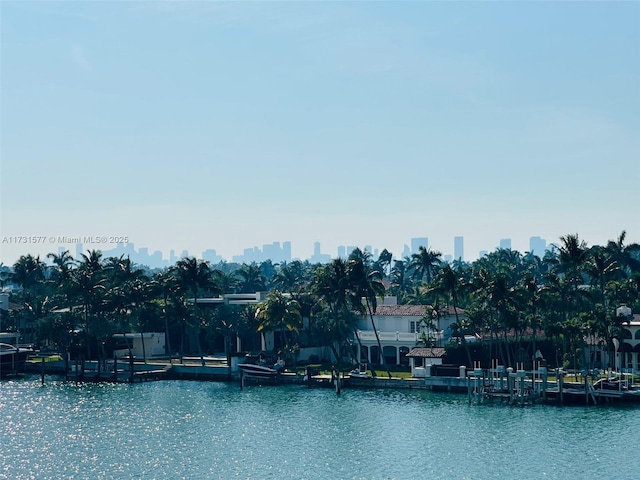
261,369
357,373
12,358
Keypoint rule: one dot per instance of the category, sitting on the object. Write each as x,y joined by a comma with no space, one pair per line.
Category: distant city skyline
215,127
275,251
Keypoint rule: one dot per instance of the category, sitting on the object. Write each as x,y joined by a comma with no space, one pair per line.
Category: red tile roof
426,352
411,310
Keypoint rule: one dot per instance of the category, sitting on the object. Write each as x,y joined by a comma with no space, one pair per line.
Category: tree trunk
375,331
166,332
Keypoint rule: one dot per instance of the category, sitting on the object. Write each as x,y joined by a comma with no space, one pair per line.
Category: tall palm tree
626,256
29,274
251,278
425,263
366,285
279,313
194,276
88,284
447,282
292,277
383,262
335,321
401,281
572,256
63,263
166,285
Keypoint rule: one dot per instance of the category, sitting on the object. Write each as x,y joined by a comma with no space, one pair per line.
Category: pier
482,385
526,387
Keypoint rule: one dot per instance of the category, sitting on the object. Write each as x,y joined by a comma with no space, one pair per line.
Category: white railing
369,335
388,336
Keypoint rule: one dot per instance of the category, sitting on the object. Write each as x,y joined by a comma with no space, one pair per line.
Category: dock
527,387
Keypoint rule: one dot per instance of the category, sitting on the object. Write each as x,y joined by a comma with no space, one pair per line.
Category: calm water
202,430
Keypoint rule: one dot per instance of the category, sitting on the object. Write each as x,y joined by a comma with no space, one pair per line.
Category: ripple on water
213,430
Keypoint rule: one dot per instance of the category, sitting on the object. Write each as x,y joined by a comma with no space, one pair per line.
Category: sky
226,125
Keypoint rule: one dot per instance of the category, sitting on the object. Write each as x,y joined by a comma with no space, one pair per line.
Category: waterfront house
401,328
626,348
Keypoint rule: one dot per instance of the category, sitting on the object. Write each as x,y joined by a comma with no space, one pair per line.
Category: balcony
399,337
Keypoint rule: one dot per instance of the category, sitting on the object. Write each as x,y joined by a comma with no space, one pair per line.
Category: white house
628,347
400,328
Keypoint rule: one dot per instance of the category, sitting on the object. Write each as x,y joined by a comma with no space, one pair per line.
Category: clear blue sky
224,125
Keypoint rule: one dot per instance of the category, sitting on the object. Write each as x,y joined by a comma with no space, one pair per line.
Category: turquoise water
210,430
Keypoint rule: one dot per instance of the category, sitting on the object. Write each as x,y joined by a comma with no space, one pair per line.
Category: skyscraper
458,248
286,251
505,243
317,256
416,243
537,246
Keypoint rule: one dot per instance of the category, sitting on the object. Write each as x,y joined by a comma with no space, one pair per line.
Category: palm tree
601,268
63,262
401,281
292,277
335,322
251,278
227,281
366,285
279,313
29,274
89,285
572,256
626,256
425,263
166,285
194,276
447,282
384,261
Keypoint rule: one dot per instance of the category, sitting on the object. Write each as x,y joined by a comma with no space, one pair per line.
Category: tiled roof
426,352
410,311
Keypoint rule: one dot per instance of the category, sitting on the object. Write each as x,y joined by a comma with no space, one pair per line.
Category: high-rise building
211,256
458,248
537,246
342,252
505,243
286,251
317,256
416,243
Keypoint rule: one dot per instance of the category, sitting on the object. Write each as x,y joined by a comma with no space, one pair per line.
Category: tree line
512,302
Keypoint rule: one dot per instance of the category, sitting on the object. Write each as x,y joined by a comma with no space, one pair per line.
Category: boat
611,384
262,369
12,358
357,373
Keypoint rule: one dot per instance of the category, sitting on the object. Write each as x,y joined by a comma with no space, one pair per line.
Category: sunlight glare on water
202,430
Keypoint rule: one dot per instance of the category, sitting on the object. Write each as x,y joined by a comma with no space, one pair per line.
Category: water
209,430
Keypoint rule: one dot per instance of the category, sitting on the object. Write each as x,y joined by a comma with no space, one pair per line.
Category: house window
414,326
